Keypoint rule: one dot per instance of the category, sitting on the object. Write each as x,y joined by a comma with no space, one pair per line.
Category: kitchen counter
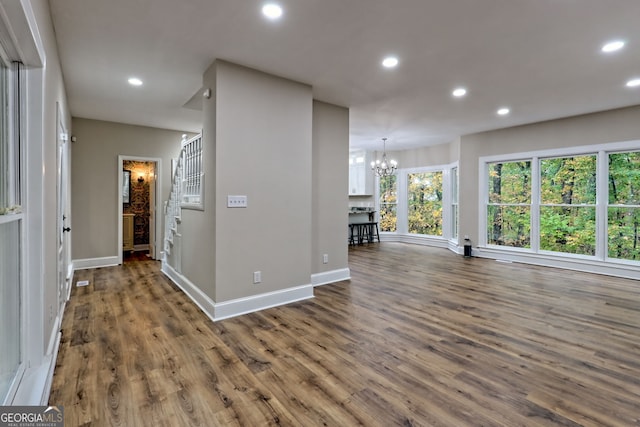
360,215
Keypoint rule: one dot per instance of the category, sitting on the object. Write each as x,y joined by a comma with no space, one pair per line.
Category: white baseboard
576,264
453,247
237,307
416,239
52,365
83,264
35,386
202,300
224,310
332,276
137,248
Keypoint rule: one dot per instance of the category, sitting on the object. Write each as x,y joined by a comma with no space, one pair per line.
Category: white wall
264,137
329,193
433,155
598,128
263,150
94,184
31,22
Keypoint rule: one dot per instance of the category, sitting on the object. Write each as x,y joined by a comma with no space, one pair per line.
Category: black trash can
467,248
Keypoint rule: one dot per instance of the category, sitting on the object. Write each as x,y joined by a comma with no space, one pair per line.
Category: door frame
63,242
157,188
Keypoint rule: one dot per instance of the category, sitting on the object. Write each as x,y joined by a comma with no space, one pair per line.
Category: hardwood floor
418,337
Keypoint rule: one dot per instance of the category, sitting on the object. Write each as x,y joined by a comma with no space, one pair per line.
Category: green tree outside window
388,203
424,197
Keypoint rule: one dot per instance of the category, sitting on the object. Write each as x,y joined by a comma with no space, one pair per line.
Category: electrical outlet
325,259
236,201
257,277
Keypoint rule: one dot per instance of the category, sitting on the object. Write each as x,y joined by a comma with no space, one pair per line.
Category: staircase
186,192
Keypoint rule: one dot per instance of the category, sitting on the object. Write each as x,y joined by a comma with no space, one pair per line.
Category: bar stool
352,236
371,231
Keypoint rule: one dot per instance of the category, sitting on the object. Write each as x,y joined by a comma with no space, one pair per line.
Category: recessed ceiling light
613,46
459,92
272,11
633,83
503,111
134,81
390,61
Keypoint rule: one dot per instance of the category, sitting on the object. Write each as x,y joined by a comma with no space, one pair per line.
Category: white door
64,285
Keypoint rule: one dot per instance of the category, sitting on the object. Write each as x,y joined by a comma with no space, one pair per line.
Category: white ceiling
541,58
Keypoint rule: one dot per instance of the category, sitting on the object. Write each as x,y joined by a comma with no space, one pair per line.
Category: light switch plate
236,201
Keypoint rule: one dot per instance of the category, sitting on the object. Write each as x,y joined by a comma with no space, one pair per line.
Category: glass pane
454,199
388,201
568,229
454,221
424,195
388,191
509,226
510,182
568,180
623,232
4,138
9,304
388,217
624,178
454,185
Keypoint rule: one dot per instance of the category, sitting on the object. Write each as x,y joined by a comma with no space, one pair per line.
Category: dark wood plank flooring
418,337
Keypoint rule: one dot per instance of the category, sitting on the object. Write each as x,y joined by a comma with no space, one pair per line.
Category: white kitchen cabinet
360,174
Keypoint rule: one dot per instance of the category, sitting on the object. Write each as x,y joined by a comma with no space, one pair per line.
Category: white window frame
402,222
538,205
13,195
445,200
485,201
602,194
603,209
192,173
454,193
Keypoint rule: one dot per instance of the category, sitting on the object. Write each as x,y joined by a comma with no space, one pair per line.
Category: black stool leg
360,234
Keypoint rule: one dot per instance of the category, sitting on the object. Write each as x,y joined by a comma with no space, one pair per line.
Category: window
388,203
623,209
420,204
9,304
424,197
6,147
454,203
509,205
582,202
568,204
10,229
192,176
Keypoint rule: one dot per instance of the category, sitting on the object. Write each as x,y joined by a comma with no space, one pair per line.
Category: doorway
140,201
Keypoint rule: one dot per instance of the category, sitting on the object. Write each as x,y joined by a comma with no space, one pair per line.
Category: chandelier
384,167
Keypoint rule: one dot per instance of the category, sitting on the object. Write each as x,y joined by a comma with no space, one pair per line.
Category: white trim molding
84,264
574,263
236,307
415,239
35,385
328,277
599,263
